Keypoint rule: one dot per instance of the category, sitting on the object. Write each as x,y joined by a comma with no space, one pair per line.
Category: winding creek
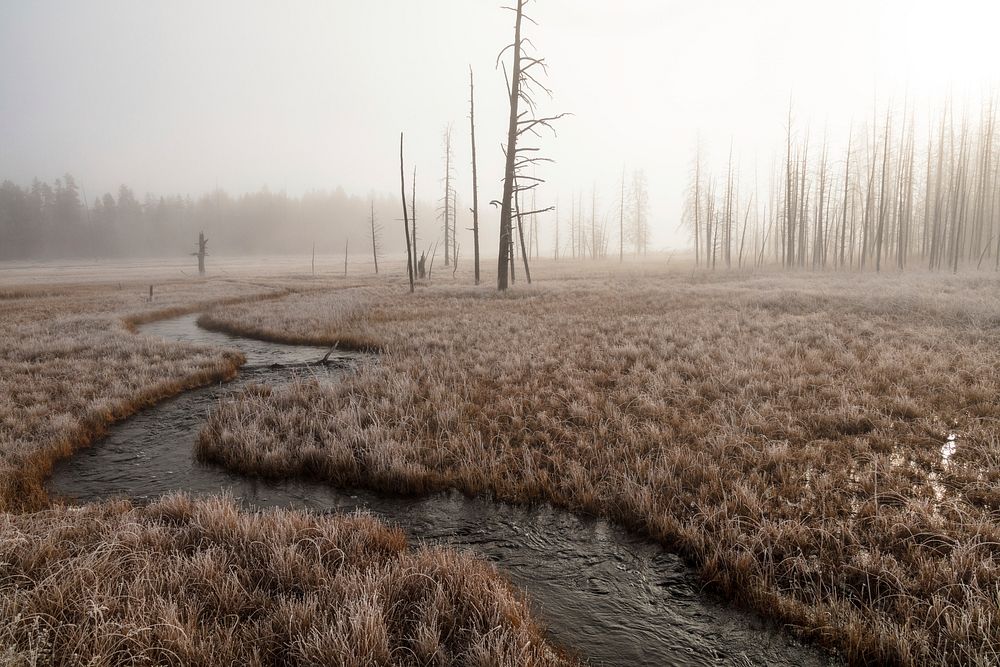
615,598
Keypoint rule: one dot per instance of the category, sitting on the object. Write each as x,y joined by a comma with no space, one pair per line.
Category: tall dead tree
640,209
847,180
555,251
447,208
406,218
789,222
475,181
593,221
697,201
621,220
522,86
413,217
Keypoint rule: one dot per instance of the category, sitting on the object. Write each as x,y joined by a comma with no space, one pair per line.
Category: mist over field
266,102
559,333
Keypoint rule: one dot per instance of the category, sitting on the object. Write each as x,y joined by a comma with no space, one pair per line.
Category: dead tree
202,252
520,234
376,229
555,251
697,201
430,267
640,210
346,243
522,86
413,214
475,182
847,180
593,221
621,220
447,210
406,219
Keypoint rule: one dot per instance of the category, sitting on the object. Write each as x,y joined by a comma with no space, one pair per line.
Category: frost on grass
748,423
188,582
69,366
200,582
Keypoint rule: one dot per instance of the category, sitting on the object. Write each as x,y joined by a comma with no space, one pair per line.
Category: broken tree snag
433,255
406,220
475,182
520,233
522,86
422,266
202,252
345,256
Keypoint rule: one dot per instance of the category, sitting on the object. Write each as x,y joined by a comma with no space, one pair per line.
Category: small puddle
615,598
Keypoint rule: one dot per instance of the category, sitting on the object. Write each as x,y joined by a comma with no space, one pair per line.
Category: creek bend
615,598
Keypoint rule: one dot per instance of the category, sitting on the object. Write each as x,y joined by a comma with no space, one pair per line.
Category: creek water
615,598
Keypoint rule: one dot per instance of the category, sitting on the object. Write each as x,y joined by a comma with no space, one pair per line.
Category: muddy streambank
615,598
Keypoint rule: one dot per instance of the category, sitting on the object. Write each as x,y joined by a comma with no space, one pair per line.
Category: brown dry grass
199,582
185,582
69,367
783,432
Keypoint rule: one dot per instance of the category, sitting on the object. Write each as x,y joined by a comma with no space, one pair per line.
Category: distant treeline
44,221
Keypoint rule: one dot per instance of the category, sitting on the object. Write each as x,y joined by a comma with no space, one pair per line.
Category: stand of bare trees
884,203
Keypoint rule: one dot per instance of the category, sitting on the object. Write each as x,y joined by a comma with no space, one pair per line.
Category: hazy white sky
183,96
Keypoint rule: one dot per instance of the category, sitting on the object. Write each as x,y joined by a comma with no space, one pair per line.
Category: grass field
822,447
190,582
185,582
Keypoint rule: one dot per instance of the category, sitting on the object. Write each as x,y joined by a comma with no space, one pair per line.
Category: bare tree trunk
621,221
413,217
593,221
447,196
508,174
406,219
555,251
847,180
475,182
743,236
883,194
789,204
728,235
374,238
346,243
697,204
520,235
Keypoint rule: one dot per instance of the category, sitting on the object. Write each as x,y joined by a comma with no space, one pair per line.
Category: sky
182,97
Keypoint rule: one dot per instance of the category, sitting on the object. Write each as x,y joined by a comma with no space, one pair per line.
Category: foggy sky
183,97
